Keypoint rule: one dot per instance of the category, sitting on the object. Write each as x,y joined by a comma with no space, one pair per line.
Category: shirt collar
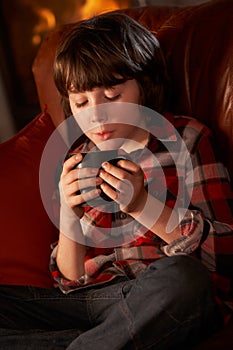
163,128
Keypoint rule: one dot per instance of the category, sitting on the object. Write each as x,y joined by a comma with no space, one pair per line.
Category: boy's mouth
104,135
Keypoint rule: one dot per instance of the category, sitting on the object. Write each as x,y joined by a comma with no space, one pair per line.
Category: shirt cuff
191,228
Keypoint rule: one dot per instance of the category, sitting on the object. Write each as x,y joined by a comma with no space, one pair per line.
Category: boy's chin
110,144
125,145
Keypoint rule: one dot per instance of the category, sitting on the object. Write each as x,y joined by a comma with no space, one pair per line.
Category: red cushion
26,230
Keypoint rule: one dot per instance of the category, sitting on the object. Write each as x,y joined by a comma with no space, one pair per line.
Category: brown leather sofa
198,45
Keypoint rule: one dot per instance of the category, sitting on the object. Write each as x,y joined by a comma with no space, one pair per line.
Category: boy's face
105,122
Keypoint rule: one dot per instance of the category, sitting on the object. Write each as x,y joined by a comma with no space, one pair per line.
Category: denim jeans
167,306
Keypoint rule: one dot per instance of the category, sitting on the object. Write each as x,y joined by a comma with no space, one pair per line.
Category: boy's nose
99,114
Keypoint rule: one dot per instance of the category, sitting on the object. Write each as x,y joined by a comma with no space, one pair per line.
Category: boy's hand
73,180
124,184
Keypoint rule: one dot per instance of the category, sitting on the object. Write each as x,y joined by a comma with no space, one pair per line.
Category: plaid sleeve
212,195
191,227
64,284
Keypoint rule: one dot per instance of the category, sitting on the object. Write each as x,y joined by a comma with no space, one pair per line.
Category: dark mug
95,160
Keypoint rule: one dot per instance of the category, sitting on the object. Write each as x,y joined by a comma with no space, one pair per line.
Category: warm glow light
93,7
82,10
36,39
47,20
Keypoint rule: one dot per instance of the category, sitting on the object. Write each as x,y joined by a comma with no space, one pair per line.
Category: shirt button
123,216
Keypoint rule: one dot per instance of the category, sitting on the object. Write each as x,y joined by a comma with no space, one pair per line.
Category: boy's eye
81,104
113,93
113,98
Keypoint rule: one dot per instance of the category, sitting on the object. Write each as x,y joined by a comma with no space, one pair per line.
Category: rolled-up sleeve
191,228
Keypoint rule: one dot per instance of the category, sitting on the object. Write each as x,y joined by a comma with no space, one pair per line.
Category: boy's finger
71,162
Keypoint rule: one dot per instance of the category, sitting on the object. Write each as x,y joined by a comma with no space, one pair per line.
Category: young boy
104,65
131,268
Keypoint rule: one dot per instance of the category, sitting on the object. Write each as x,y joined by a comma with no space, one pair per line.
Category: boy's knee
183,274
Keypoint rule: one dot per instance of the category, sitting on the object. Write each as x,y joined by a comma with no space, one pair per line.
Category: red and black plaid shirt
207,225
